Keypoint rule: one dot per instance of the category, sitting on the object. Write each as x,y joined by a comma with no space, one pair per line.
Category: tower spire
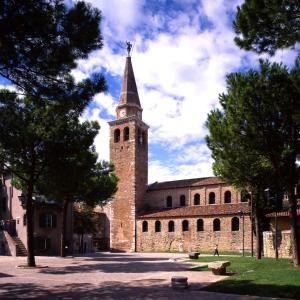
129,101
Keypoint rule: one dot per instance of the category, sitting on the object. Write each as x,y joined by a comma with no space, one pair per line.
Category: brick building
193,214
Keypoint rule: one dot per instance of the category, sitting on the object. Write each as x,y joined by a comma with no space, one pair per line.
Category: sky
183,50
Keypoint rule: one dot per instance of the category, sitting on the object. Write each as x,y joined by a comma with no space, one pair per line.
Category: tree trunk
63,229
258,246
294,230
30,226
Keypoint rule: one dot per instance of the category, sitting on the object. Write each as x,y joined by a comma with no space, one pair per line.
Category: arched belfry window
157,226
182,200
227,197
145,226
212,198
197,199
169,201
200,225
117,134
235,224
171,226
185,225
126,134
217,225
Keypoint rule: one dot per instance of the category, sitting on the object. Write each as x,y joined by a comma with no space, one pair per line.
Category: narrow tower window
157,226
145,226
185,225
235,224
126,134
117,135
217,225
227,197
197,199
169,201
200,225
212,198
182,200
171,226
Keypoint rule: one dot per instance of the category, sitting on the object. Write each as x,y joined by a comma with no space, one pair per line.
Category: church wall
194,240
158,198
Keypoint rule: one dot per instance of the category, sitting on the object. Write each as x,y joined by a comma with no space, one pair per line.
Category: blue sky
183,50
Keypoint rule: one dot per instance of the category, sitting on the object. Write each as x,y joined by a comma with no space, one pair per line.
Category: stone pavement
105,276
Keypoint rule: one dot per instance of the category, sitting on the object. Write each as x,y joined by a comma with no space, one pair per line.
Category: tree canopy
40,42
267,25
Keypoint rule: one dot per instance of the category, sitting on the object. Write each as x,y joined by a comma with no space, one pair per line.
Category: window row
140,135
235,225
197,200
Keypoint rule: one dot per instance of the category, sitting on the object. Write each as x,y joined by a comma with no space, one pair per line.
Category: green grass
265,277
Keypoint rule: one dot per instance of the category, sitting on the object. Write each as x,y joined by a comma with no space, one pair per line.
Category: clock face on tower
122,112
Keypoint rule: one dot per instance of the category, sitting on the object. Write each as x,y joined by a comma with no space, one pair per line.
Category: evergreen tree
267,25
40,42
262,116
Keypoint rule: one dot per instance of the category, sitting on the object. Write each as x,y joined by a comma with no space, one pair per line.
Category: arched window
185,225
157,226
197,199
169,201
126,134
217,225
117,135
211,198
200,225
182,200
235,224
145,226
171,226
227,197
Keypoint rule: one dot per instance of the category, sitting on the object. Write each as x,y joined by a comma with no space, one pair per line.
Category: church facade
183,215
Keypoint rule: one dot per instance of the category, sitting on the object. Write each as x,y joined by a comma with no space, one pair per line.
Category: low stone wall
283,243
193,240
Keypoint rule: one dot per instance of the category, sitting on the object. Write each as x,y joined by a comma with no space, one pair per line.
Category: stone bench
179,282
194,255
219,267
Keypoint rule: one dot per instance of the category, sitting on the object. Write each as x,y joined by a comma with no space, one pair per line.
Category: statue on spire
129,47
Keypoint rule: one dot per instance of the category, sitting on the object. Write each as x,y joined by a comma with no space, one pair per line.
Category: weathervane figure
129,47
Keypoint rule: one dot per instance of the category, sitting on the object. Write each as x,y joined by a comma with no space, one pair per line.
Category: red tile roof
193,211
184,183
282,213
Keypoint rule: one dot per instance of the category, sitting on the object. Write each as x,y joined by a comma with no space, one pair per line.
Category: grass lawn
265,277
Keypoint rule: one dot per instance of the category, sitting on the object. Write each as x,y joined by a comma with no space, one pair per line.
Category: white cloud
102,139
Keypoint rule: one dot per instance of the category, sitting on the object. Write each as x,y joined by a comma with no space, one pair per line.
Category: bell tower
129,153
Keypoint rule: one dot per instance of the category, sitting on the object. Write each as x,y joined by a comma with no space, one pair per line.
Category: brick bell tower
129,153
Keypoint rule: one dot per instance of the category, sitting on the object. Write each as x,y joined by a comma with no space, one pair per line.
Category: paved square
104,276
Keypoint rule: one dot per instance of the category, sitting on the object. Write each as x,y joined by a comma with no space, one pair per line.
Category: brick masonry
130,158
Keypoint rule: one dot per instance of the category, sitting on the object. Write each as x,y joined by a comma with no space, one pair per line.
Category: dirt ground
105,276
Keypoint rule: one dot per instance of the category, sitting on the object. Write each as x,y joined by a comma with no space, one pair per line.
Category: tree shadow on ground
248,287
2,275
151,289
130,267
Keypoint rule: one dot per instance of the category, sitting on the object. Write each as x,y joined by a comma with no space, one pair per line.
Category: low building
47,222
279,228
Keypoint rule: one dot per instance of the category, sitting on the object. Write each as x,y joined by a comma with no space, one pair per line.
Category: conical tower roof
129,94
